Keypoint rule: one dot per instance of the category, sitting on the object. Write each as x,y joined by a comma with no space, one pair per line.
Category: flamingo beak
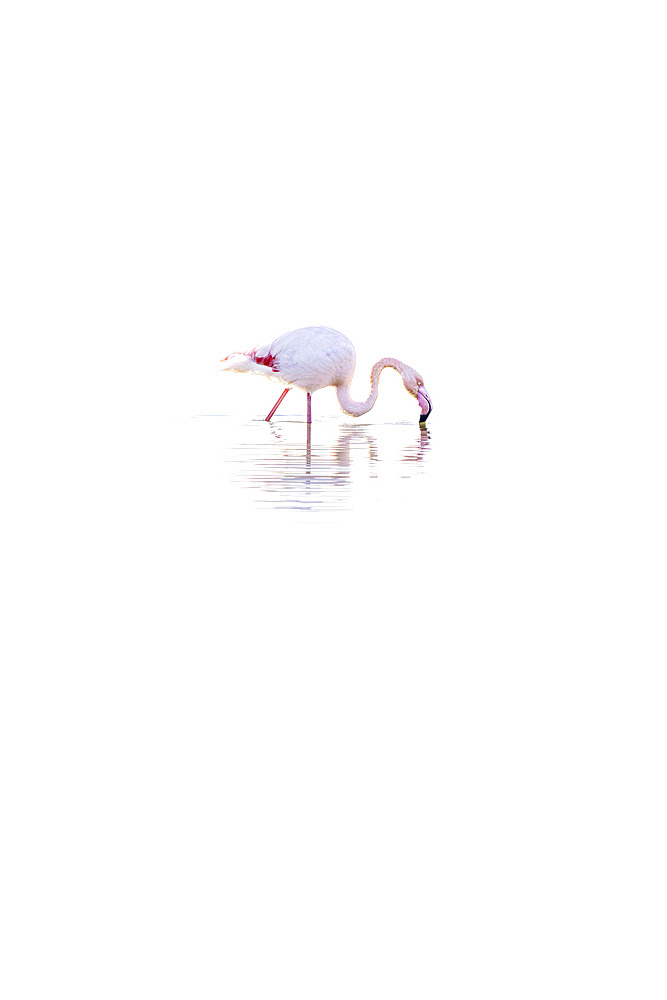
424,403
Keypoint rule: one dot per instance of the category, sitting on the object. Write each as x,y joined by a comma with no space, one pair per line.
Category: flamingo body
314,357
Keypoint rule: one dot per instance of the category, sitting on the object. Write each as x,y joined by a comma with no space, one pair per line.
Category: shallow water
322,690
324,470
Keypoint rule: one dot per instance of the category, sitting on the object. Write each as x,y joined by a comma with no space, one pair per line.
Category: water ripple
324,467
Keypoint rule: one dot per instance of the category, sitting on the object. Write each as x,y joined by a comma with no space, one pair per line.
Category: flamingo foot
278,403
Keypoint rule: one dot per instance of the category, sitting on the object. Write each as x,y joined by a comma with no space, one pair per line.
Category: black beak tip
424,416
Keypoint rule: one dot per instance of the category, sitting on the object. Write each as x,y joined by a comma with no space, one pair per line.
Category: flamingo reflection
286,468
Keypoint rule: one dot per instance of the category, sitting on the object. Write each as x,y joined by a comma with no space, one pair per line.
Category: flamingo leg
309,417
278,403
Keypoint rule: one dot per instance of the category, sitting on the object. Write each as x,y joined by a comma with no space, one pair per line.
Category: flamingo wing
311,358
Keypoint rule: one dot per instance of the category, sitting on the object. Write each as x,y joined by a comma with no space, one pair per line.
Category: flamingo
316,356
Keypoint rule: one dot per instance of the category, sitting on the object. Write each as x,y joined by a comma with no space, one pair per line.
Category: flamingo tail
238,362
262,362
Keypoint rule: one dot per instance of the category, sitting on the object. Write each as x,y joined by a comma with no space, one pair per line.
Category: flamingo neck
356,409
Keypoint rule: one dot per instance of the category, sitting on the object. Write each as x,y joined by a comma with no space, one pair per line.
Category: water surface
325,469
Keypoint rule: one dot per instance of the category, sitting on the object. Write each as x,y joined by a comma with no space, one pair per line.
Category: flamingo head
414,383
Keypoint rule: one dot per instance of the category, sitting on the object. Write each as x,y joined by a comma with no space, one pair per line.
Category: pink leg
278,403
309,417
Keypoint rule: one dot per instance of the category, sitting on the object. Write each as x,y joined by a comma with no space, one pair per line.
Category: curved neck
356,409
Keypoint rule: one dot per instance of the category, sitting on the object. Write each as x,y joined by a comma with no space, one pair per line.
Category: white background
416,756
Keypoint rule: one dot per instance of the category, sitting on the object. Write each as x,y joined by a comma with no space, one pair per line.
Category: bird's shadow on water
320,467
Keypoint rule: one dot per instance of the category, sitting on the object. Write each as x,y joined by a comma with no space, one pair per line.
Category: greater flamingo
315,357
